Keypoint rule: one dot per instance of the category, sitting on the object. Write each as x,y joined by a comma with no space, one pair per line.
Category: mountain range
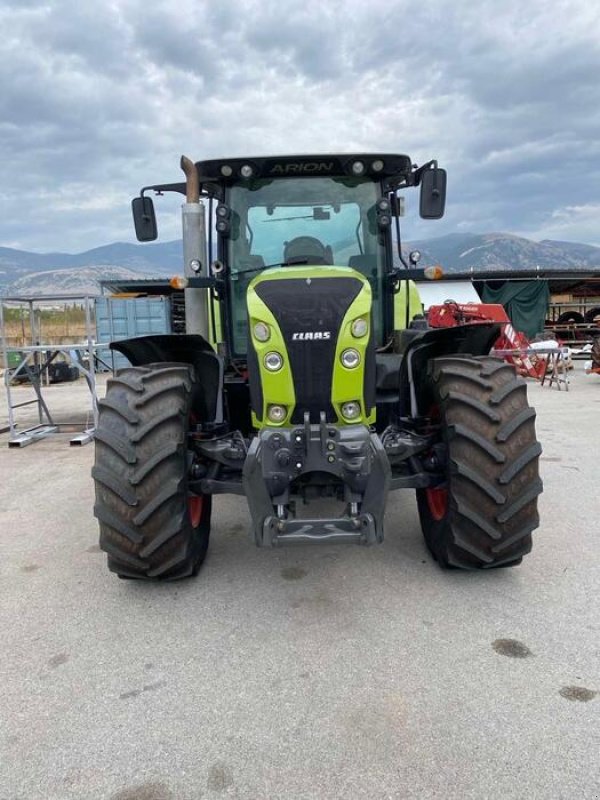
462,252
25,273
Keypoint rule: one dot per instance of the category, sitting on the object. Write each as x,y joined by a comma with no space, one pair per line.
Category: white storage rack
34,360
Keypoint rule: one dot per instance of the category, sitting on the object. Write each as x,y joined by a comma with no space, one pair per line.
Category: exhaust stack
194,251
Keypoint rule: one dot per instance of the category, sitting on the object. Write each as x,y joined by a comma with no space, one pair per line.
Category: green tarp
526,303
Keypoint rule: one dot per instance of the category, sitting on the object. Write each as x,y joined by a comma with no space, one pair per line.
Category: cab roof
375,166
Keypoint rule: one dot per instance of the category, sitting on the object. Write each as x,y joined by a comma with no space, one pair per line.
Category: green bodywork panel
278,387
415,305
216,311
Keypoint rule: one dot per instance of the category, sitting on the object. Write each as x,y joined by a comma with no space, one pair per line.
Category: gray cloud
99,99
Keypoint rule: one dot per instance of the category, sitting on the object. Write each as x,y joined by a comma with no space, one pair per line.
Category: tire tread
492,473
140,473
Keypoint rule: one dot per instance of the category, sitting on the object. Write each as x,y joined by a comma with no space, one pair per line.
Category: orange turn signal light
177,282
433,273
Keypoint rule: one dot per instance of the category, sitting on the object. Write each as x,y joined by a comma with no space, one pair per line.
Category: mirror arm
399,243
418,173
161,188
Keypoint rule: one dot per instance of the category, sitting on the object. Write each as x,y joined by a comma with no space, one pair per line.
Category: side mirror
433,193
144,219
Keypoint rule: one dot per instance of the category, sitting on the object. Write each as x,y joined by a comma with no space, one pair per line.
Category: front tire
151,526
484,512
596,352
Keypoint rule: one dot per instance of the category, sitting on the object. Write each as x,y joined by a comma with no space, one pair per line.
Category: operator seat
307,249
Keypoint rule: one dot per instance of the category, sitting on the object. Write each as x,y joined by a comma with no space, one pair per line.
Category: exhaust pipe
192,180
194,251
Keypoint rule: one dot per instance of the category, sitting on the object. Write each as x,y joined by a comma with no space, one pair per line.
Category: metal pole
36,360
31,322
91,376
111,328
11,417
2,336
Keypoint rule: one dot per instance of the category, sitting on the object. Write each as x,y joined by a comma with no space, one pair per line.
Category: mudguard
186,349
474,339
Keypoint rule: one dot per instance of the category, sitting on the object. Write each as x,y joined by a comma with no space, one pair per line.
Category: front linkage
349,464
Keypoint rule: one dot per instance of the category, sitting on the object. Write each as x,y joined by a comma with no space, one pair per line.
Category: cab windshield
303,221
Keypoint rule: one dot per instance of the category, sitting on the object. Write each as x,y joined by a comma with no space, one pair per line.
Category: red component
437,500
451,314
195,505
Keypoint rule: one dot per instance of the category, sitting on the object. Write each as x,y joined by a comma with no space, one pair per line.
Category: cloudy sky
100,98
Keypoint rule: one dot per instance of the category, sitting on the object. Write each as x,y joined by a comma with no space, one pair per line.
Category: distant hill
143,261
22,272
77,281
458,252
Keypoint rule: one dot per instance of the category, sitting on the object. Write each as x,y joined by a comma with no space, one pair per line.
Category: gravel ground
300,673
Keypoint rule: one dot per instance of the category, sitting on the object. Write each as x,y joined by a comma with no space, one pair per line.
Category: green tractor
305,374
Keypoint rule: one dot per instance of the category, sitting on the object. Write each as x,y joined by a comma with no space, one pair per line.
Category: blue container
126,317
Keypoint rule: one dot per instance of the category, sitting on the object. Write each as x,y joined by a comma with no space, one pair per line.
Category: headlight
350,358
359,327
261,332
351,410
246,171
358,167
276,413
273,361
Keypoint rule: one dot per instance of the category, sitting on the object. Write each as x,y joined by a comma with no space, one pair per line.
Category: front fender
162,347
186,349
475,339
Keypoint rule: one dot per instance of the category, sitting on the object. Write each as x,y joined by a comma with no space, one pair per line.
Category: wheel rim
195,505
194,502
437,500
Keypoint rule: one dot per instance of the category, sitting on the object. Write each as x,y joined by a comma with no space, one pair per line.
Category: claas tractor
307,379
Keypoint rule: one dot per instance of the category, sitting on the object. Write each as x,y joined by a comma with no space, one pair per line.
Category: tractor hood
311,347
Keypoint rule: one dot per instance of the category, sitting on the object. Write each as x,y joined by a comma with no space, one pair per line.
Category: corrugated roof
136,286
559,280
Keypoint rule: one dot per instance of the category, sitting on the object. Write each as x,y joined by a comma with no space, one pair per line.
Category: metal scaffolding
33,362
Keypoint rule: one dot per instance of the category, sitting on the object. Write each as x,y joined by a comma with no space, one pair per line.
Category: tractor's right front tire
151,526
482,514
596,352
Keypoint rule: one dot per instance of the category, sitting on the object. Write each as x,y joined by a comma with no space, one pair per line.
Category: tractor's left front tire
151,526
483,513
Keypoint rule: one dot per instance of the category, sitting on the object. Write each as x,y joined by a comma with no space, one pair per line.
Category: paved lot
305,673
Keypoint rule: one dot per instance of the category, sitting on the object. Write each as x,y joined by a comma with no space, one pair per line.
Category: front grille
310,305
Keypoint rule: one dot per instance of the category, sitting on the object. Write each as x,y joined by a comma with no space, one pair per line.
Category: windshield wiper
288,219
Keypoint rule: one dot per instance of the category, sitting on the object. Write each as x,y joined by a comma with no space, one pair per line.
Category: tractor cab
274,213
317,211
322,221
